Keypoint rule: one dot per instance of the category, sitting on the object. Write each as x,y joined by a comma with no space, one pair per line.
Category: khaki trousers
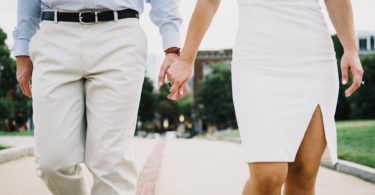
86,87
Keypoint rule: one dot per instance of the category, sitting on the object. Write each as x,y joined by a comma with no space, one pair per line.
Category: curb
15,153
350,168
343,166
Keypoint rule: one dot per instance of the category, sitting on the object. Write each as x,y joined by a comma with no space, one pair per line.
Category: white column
369,43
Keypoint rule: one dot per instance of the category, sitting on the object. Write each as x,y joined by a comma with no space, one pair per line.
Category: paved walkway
188,167
14,141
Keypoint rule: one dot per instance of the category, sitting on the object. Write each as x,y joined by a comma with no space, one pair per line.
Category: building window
362,44
372,43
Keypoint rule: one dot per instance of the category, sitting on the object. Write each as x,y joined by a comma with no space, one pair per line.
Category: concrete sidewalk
199,167
18,177
16,141
189,167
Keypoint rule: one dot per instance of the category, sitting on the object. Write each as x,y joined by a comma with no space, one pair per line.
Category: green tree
167,109
185,106
148,101
11,98
216,97
363,101
7,68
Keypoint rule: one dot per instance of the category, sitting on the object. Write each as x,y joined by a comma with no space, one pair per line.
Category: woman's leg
266,178
303,171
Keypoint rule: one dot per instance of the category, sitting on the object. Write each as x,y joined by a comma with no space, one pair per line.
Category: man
87,64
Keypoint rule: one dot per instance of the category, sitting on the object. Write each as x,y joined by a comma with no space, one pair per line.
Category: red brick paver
150,172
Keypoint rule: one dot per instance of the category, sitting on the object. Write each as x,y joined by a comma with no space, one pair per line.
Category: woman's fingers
180,93
175,87
357,81
344,73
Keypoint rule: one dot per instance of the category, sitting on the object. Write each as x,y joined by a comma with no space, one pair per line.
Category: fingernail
181,92
344,82
160,83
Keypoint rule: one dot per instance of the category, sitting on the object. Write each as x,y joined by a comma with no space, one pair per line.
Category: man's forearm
165,14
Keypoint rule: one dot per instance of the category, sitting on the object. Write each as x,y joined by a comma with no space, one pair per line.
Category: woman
285,85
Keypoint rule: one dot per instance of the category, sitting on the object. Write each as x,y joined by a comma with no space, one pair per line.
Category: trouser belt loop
55,17
115,16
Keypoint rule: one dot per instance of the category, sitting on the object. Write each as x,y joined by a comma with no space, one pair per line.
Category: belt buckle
82,13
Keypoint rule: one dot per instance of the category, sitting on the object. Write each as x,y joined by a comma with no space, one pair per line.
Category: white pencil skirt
283,67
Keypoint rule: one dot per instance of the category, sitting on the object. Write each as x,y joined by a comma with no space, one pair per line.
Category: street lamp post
1,70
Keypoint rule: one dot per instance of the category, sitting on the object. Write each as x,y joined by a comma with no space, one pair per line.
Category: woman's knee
269,174
304,175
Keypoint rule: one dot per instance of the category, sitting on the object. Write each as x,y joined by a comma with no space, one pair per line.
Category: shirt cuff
21,47
171,39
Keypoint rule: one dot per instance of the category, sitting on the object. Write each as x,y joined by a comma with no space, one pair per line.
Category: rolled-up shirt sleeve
165,14
28,19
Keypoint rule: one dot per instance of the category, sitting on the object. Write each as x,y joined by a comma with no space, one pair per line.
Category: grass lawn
23,133
357,144
356,140
3,147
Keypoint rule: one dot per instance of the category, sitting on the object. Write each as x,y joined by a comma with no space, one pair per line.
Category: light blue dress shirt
164,14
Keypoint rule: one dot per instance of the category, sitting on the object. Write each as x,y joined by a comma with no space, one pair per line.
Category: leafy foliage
148,101
11,98
363,101
7,67
216,96
167,109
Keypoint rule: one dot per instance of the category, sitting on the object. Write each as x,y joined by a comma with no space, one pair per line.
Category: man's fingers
163,72
26,89
23,91
344,74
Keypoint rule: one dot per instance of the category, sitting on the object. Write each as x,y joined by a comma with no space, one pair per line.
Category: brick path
150,172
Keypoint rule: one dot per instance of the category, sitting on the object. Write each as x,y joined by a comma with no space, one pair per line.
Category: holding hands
178,72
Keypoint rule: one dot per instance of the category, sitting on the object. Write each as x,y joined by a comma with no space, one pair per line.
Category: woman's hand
179,73
350,63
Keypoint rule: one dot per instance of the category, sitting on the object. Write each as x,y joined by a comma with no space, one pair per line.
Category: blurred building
366,42
203,66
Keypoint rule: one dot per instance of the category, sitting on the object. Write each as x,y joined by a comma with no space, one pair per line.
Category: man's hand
179,73
350,63
168,61
24,72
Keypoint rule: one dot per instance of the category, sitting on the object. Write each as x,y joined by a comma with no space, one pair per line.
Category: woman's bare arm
341,14
203,14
